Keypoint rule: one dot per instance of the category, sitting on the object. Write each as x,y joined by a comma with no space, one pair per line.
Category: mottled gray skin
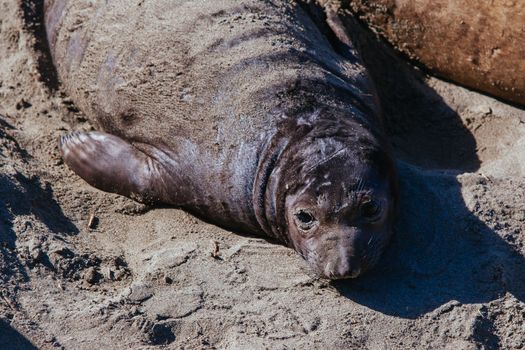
242,113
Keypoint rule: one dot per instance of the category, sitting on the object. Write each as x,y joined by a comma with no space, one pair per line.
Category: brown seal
477,43
251,116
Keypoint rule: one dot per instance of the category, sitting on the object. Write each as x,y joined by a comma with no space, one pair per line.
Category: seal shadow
32,197
24,196
10,338
441,251
10,265
21,196
33,16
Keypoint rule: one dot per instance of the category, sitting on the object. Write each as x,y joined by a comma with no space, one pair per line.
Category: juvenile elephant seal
242,114
477,43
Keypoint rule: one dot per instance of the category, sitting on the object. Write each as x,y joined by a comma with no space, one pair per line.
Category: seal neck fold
265,186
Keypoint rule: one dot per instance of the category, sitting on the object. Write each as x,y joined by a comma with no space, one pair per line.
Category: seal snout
342,254
343,268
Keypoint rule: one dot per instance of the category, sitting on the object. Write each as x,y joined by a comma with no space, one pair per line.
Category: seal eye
371,210
304,219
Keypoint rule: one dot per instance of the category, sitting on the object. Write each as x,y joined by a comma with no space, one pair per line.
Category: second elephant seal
476,43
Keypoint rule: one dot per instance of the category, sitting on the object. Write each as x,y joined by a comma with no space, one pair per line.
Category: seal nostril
349,268
344,271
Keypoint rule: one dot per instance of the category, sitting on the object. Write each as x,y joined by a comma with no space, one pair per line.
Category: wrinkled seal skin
245,115
477,43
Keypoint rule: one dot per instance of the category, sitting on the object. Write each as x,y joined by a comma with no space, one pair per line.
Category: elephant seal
251,115
478,43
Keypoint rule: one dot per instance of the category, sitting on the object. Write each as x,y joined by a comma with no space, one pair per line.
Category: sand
83,269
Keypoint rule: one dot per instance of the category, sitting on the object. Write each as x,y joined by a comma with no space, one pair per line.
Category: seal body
243,114
477,43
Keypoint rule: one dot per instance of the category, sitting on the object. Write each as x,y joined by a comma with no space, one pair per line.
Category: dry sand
145,278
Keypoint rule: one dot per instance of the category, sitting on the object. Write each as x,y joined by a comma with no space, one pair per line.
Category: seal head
333,197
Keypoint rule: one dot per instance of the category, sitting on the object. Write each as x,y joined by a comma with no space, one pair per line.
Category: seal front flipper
111,164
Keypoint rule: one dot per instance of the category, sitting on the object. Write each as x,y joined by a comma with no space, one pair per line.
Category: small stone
22,104
92,221
36,255
214,249
90,275
175,303
140,292
481,109
109,274
49,338
119,274
171,258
